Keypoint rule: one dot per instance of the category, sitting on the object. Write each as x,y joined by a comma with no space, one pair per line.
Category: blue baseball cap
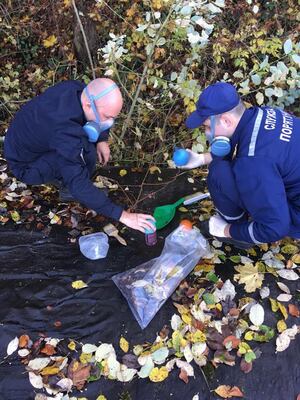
216,99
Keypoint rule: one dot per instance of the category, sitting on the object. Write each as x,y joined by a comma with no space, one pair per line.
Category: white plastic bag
148,286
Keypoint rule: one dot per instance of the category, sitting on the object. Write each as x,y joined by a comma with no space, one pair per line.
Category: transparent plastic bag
148,286
94,246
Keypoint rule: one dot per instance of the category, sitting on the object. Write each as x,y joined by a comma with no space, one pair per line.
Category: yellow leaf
249,275
244,348
204,267
158,374
249,335
219,306
123,172
264,247
289,249
15,216
296,258
252,252
124,345
101,397
187,319
274,305
198,336
72,345
50,41
153,169
281,326
85,357
50,370
67,3
79,284
283,310
183,209
226,392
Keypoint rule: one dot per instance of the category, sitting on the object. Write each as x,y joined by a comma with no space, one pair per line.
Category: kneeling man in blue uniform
56,137
254,167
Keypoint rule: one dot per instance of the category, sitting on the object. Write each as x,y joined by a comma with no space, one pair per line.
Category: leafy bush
163,53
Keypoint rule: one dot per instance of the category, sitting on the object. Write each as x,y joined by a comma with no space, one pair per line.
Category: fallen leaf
246,367
124,345
48,349
158,374
289,249
23,341
283,287
154,169
231,342
50,41
284,297
226,392
293,310
250,276
281,326
12,346
79,284
264,292
288,274
184,376
257,314
36,380
122,172
283,310
284,339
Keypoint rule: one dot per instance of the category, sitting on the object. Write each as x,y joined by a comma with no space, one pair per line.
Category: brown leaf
293,310
234,340
184,376
226,392
48,349
164,332
23,340
234,312
57,324
79,373
245,366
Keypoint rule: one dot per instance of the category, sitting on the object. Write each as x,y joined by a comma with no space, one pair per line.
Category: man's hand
103,152
196,160
218,226
139,222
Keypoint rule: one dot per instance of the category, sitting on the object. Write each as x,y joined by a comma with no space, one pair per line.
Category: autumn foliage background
162,54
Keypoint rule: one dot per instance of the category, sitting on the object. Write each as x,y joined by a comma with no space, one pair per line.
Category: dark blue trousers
45,168
224,193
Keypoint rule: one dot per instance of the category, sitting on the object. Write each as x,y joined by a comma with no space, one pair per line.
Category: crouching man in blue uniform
57,136
254,167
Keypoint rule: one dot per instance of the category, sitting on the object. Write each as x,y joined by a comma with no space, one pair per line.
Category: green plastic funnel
164,214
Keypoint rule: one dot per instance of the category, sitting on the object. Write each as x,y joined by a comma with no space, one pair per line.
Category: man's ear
226,121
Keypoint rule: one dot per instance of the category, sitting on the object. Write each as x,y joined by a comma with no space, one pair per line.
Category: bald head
108,106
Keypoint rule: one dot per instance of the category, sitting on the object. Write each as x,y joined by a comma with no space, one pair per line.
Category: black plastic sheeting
37,272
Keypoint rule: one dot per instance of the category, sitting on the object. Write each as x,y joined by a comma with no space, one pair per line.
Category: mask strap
93,98
104,92
92,101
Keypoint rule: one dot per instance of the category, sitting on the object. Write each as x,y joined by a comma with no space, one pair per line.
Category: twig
84,39
149,57
111,9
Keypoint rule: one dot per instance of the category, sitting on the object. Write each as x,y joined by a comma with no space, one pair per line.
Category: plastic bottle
150,235
94,246
180,157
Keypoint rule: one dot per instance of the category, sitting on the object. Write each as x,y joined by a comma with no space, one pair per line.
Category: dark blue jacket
267,173
52,122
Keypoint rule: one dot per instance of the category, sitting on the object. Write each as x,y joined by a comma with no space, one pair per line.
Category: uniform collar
244,121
